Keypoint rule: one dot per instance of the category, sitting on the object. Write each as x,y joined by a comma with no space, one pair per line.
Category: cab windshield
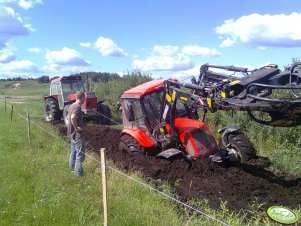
72,86
153,103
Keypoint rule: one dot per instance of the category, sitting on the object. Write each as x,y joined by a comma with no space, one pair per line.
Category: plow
161,117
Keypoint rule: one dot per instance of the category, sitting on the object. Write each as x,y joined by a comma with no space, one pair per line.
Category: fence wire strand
127,176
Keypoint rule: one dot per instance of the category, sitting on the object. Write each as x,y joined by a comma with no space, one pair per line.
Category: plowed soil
240,185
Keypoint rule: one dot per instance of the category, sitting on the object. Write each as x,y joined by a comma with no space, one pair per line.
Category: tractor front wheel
65,115
52,110
239,145
129,144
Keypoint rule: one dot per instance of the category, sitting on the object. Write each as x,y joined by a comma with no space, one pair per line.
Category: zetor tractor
63,94
161,119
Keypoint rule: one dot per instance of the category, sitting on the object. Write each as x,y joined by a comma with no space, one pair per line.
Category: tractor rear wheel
105,114
129,144
52,110
240,144
65,114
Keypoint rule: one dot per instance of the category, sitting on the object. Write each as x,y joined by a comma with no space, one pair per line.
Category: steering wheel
296,73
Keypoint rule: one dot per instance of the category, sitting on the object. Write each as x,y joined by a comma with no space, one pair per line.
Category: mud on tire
241,143
52,110
129,144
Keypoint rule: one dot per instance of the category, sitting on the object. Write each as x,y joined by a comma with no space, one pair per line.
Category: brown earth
240,185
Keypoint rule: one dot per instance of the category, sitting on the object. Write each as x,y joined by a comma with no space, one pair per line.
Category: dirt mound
239,185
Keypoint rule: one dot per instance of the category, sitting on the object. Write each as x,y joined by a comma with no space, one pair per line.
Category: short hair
80,95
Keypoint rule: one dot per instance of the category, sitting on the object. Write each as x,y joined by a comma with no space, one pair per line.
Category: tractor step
169,153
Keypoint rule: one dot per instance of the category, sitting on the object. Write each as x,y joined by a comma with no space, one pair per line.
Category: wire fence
113,169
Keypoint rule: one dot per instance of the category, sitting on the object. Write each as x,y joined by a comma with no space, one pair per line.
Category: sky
164,38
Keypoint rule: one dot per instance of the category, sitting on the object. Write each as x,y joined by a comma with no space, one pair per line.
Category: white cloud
173,58
7,55
228,42
66,56
194,50
27,4
166,50
24,4
256,30
11,25
55,69
35,50
159,63
106,46
23,66
183,74
85,44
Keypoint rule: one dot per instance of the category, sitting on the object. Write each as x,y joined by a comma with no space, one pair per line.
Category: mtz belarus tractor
62,95
161,116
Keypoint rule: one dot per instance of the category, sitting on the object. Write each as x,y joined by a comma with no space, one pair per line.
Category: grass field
37,187
27,88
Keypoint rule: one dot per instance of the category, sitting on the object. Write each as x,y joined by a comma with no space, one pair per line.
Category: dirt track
239,185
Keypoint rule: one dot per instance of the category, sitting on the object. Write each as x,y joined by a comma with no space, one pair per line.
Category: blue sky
162,37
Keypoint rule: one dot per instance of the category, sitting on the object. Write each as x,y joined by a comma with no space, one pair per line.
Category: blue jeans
77,156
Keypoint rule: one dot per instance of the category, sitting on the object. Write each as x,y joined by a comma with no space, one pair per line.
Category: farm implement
161,117
269,96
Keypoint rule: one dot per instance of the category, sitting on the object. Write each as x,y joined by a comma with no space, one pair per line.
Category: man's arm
74,123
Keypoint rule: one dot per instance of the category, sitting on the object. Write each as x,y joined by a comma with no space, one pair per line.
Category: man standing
75,132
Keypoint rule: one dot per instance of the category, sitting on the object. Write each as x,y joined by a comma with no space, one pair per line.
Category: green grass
29,88
37,187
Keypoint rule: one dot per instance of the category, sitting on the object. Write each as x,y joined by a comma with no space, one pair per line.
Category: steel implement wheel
51,110
240,145
105,115
65,114
129,144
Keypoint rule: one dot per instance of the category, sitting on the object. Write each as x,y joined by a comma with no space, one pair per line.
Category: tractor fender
227,130
140,136
51,96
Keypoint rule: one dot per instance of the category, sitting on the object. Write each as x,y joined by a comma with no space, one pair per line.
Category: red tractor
160,118
62,95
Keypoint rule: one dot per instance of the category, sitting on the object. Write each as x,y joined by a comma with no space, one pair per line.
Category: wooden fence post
28,130
11,113
104,187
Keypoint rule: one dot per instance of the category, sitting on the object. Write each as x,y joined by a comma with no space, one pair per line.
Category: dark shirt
77,111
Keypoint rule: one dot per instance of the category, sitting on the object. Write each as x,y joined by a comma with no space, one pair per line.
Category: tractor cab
63,94
142,106
64,89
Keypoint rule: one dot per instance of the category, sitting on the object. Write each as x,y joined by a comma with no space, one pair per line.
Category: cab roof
67,78
144,88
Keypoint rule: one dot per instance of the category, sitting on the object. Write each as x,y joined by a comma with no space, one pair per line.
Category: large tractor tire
129,144
241,144
52,110
65,114
105,114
